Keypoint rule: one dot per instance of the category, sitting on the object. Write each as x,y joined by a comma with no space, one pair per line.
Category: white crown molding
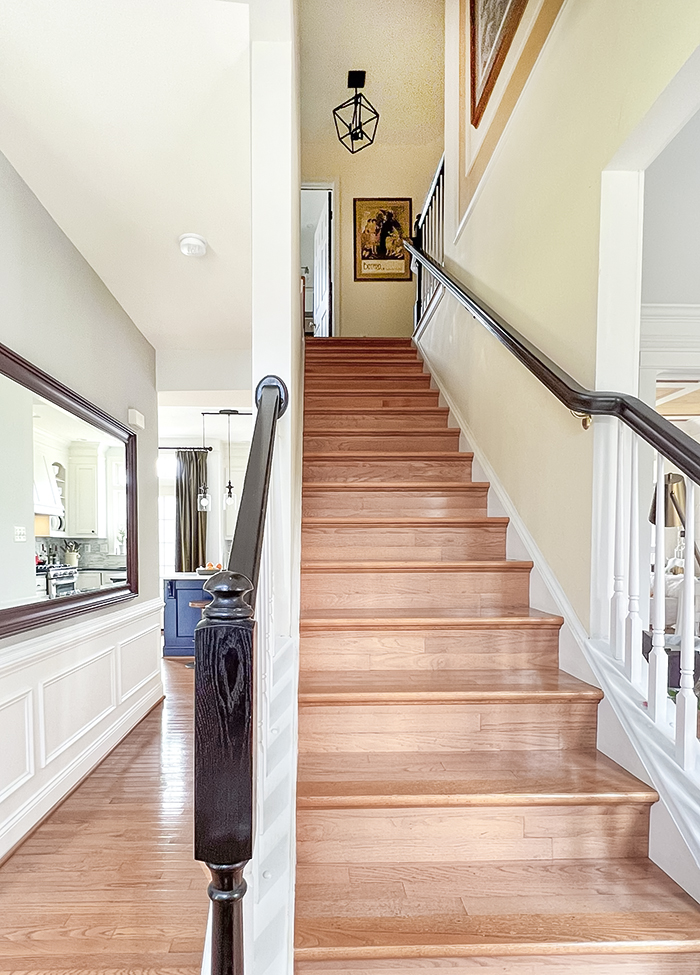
667,328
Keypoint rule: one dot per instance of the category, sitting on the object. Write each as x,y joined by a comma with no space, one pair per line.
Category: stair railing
224,793
428,235
638,477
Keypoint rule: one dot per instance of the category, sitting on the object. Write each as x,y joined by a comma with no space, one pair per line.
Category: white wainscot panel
139,660
74,701
17,743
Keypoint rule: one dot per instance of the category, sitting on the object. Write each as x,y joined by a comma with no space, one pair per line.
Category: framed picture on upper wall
380,227
493,26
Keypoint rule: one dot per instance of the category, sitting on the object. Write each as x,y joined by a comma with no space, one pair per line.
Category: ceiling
180,416
129,120
678,399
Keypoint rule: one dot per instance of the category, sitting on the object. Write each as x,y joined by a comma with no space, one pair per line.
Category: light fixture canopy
193,245
356,119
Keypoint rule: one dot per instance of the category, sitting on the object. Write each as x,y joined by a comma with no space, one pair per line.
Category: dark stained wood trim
17,619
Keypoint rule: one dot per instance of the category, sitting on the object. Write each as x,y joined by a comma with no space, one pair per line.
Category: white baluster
633,627
686,702
658,661
618,607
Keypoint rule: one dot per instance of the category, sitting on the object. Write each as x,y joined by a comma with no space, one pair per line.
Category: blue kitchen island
179,590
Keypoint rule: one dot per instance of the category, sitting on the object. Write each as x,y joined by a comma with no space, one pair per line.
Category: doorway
317,259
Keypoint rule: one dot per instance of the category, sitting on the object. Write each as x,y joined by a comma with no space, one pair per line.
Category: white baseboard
627,735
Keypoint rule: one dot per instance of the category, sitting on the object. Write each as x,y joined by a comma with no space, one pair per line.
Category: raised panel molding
136,661
72,702
60,696
17,737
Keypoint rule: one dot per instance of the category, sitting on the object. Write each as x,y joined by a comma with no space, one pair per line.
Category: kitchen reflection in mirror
65,491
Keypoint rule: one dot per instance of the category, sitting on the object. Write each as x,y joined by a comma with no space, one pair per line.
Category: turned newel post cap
228,590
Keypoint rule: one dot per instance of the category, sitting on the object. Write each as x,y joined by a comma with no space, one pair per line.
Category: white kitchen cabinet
86,495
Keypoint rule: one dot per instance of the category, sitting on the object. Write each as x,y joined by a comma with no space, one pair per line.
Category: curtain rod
200,449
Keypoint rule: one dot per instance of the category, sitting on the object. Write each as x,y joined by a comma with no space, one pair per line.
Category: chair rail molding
67,698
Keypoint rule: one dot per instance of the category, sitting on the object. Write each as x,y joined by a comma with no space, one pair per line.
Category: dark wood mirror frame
16,619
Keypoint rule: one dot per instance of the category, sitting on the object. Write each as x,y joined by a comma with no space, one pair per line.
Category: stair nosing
395,455
477,948
383,410
408,522
421,486
374,800
488,696
428,431
412,565
435,622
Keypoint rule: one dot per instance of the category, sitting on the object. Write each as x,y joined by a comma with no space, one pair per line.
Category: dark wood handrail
224,684
655,429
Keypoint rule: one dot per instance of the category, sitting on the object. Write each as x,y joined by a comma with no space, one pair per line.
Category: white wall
671,262
69,692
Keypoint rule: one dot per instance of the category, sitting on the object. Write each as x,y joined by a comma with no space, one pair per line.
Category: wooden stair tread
438,431
402,411
440,521
420,486
440,686
310,455
386,565
417,618
376,910
395,779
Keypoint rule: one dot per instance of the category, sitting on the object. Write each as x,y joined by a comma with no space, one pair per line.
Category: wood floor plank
120,890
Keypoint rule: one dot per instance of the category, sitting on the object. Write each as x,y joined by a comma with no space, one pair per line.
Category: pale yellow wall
403,56
530,248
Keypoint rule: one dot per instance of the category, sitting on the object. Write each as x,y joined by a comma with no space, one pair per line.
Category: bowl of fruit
209,569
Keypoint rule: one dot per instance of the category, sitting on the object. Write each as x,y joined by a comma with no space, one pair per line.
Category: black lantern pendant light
356,119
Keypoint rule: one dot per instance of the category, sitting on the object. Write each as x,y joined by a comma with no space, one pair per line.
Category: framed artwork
380,227
493,26
487,31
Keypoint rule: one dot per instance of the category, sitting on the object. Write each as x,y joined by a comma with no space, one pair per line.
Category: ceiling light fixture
193,245
356,120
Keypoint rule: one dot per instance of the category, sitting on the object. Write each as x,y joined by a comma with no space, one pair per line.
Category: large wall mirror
68,540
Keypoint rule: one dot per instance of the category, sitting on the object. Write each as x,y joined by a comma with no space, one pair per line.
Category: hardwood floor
107,883
452,809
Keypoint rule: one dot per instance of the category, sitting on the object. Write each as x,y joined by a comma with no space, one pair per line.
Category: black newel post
223,783
418,243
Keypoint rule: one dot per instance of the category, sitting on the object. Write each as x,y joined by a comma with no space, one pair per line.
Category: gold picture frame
380,226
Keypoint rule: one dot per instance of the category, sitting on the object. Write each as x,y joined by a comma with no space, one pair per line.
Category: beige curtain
190,524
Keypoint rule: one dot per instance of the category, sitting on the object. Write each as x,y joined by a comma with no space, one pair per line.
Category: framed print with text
380,226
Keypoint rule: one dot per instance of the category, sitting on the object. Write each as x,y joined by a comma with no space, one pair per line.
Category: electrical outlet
20,534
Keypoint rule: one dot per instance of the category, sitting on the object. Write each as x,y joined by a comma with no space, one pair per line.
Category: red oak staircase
452,809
